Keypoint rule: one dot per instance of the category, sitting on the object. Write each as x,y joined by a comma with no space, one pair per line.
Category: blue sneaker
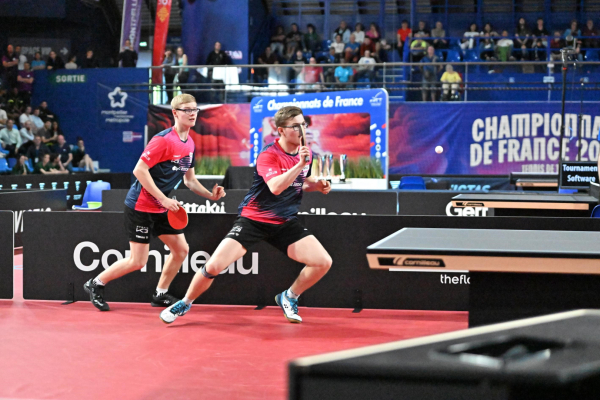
289,307
170,314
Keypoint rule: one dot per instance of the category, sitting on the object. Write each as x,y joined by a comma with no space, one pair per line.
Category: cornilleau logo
117,98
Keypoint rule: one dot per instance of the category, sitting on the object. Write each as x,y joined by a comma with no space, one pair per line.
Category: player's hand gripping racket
178,219
303,130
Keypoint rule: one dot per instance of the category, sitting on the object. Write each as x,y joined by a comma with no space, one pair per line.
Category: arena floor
53,351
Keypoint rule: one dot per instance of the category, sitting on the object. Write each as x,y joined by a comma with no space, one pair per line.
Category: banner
488,138
351,122
161,29
6,254
132,24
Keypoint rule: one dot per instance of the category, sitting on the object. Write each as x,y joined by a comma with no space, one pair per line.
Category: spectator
15,105
268,58
38,63
359,33
343,31
331,58
217,57
45,113
367,45
278,74
128,57
556,44
37,121
10,62
312,41
349,56
278,41
46,133
468,41
20,168
81,159
72,64
344,73
27,136
293,40
381,51
401,36
373,33
312,75
573,40
540,40
299,61
10,137
590,30
3,118
43,166
56,129
37,151
418,47
504,47
25,79
22,58
489,29
364,68
486,48
338,45
26,116
182,60
353,46
90,60
522,38
439,36
422,30
54,62
430,73
169,61
450,84
64,152
573,30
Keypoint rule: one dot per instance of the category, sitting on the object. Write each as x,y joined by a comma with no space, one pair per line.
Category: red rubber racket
178,219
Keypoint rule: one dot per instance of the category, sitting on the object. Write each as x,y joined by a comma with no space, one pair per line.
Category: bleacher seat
439,54
29,164
596,212
412,183
4,166
326,44
11,162
592,55
93,194
471,55
453,56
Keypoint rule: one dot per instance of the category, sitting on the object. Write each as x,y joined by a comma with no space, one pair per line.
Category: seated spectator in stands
27,136
312,41
56,129
359,33
439,36
26,116
331,58
489,29
343,31
299,61
504,48
90,60
338,45
42,166
523,39
49,165
22,58
268,58
312,75
381,51
72,64
373,33
486,48
278,41
450,84
48,137
293,40
349,56
278,74
20,168
573,40
38,63
430,74
10,64
364,68
64,152
36,120
54,62
81,159
573,30
418,48
45,113
344,73
402,35
590,30
3,118
367,45
128,57
540,41
36,152
15,105
25,79
56,166
556,44
353,46
423,30
10,137
468,41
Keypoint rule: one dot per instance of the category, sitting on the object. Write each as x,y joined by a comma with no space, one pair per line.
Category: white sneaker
170,314
289,307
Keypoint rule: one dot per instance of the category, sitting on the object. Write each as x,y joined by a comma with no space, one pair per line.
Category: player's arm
142,173
278,183
189,179
312,184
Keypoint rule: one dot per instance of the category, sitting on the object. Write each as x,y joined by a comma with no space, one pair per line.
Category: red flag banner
161,28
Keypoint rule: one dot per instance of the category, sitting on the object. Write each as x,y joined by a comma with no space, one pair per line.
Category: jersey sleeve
267,166
156,151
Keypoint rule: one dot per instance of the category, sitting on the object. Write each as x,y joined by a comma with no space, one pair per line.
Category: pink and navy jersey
169,158
260,204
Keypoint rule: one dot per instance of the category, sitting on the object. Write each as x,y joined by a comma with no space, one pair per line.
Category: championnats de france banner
489,138
131,24
350,122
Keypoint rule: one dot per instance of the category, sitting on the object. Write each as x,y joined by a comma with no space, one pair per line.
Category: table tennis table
513,273
530,204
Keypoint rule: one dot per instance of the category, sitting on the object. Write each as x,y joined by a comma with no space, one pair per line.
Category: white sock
291,294
160,291
98,282
187,301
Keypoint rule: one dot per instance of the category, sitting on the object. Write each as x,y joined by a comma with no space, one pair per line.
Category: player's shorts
140,226
249,232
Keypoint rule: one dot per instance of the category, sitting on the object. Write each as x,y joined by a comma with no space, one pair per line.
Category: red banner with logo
161,28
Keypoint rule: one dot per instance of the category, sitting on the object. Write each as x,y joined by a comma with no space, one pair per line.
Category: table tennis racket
178,219
303,129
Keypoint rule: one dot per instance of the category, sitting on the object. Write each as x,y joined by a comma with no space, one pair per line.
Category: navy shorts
141,226
249,232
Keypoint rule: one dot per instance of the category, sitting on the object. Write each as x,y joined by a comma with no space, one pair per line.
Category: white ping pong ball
439,149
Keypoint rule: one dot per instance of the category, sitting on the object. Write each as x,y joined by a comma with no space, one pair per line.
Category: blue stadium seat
592,55
596,212
439,53
412,183
326,44
472,55
453,56
29,164
4,166
93,193
11,162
